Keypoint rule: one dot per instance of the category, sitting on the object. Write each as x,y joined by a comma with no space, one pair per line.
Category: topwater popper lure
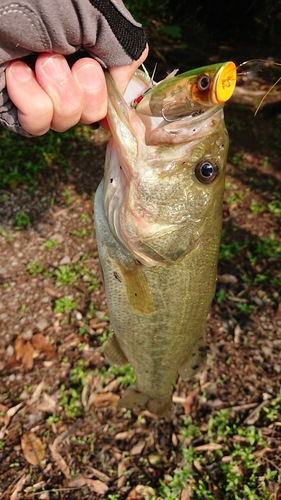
188,93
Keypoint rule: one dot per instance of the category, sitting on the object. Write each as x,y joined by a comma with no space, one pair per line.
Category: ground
61,434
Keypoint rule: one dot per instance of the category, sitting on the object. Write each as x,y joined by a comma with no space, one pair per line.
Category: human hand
53,95
57,97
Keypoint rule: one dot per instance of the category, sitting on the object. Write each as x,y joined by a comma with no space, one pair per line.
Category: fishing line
268,63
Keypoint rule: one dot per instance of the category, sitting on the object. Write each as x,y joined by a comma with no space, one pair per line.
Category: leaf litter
60,430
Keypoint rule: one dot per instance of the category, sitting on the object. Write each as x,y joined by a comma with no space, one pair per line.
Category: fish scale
159,247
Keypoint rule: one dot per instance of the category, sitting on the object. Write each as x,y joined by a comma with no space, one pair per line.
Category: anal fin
195,361
133,399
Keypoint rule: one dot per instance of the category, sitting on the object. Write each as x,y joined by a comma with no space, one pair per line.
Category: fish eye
203,82
206,171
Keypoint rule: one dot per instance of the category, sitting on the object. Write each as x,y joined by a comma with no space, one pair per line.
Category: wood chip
209,447
190,401
97,473
59,460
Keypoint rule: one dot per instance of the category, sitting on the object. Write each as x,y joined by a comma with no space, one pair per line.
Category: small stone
10,350
76,257
57,237
27,335
42,324
65,260
100,314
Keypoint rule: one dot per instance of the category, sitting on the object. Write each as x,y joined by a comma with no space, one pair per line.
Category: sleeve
104,28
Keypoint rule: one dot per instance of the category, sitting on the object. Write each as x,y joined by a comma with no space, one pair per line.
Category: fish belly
157,313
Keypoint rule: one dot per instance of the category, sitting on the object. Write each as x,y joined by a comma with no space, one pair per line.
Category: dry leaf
61,463
46,404
94,484
186,493
190,401
42,344
19,348
27,358
33,449
19,487
12,411
36,393
77,482
137,448
141,492
104,398
97,486
278,311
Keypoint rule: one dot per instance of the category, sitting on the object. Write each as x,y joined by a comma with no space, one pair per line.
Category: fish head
164,181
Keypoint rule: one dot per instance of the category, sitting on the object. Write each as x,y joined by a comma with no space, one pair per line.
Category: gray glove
104,28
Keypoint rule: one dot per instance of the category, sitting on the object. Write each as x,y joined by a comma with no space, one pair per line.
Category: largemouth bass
158,216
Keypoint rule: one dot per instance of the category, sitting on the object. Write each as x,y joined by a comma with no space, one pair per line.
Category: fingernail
56,67
89,78
20,72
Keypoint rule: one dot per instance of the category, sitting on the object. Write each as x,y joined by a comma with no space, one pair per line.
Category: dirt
96,449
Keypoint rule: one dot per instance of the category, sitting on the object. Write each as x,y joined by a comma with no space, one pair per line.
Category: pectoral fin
195,362
138,293
114,354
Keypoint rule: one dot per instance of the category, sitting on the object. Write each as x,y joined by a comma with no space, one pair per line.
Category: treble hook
192,115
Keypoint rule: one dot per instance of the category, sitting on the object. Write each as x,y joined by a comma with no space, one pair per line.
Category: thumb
123,74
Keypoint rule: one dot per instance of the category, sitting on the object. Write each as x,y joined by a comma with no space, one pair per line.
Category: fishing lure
189,93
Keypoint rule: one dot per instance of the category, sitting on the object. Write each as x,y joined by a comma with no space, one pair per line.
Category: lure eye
203,82
206,171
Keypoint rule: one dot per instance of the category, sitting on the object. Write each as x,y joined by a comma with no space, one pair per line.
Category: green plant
80,234
35,267
240,477
22,220
50,244
275,207
84,217
65,275
65,305
234,197
256,207
245,308
220,295
68,196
